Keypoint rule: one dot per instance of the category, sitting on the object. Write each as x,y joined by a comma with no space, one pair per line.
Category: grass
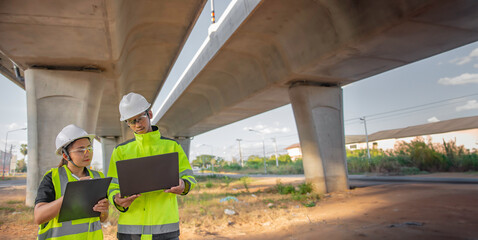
15,211
202,208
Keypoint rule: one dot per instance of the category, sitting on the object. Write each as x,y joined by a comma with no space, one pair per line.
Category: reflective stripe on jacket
86,228
153,212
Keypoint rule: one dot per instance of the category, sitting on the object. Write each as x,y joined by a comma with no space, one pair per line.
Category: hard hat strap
69,158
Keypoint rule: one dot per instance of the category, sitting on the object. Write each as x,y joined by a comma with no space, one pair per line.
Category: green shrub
246,181
305,188
413,157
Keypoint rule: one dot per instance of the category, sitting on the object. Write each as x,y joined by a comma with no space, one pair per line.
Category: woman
75,146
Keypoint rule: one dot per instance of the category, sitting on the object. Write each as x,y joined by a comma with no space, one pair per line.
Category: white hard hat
131,105
69,134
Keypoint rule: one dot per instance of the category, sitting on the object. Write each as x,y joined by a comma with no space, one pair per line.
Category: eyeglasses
136,120
83,150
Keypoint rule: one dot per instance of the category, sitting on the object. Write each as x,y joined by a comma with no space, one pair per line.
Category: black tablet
147,174
81,196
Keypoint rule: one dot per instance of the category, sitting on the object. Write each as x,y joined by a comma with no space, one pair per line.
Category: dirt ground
393,211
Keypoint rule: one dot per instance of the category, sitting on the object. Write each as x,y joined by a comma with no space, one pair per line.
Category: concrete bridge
78,59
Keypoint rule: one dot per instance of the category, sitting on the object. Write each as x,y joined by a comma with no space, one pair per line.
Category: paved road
354,180
364,181
14,182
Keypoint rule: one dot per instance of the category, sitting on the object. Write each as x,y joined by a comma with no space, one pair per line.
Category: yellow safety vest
153,212
80,229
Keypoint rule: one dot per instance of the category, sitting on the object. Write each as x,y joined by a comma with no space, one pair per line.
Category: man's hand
125,202
178,189
101,206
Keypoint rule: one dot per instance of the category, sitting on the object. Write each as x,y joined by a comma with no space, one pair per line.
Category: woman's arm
45,212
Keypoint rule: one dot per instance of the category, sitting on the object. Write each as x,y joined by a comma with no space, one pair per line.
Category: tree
203,160
21,166
24,150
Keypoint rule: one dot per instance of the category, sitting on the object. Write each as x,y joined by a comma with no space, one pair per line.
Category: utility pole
263,148
366,136
275,147
240,152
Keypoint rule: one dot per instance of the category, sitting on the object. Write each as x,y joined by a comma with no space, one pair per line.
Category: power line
400,111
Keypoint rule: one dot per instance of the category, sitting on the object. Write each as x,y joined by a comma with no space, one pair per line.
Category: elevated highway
262,48
265,54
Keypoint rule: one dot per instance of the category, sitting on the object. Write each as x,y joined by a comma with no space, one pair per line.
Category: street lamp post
5,153
263,148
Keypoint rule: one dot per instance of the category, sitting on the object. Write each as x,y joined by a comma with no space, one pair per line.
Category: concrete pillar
185,143
55,99
319,118
108,144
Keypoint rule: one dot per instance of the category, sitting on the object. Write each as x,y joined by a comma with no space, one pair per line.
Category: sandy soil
394,211
411,211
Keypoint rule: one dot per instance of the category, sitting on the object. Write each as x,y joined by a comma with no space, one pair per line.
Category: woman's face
81,152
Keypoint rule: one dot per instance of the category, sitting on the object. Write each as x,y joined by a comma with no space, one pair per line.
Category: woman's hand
102,206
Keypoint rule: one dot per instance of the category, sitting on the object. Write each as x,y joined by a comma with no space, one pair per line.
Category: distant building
5,157
462,130
294,151
13,164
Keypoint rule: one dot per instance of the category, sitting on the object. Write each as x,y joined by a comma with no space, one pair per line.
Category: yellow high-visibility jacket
153,212
80,229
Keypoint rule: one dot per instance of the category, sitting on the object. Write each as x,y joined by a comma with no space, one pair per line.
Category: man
151,215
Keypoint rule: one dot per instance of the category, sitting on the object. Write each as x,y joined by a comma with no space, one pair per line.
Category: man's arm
185,171
113,189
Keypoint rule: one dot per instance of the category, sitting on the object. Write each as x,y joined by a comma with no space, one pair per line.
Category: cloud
462,79
472,104
433,119
475,66
463,60
268,129
13,126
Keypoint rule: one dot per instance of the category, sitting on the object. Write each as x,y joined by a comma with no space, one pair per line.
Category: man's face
140,124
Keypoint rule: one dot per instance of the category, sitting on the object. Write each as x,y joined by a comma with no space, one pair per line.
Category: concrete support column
319,117
108,144
185,143
55,99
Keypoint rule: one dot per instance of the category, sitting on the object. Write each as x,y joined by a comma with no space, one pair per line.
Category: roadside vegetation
415,157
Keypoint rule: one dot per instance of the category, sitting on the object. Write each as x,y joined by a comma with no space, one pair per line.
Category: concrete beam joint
86,68
310,83
183,138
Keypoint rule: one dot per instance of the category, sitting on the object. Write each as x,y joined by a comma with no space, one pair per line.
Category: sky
438,88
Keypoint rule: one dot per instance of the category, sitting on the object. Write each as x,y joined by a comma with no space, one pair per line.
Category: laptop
146,174
81,196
